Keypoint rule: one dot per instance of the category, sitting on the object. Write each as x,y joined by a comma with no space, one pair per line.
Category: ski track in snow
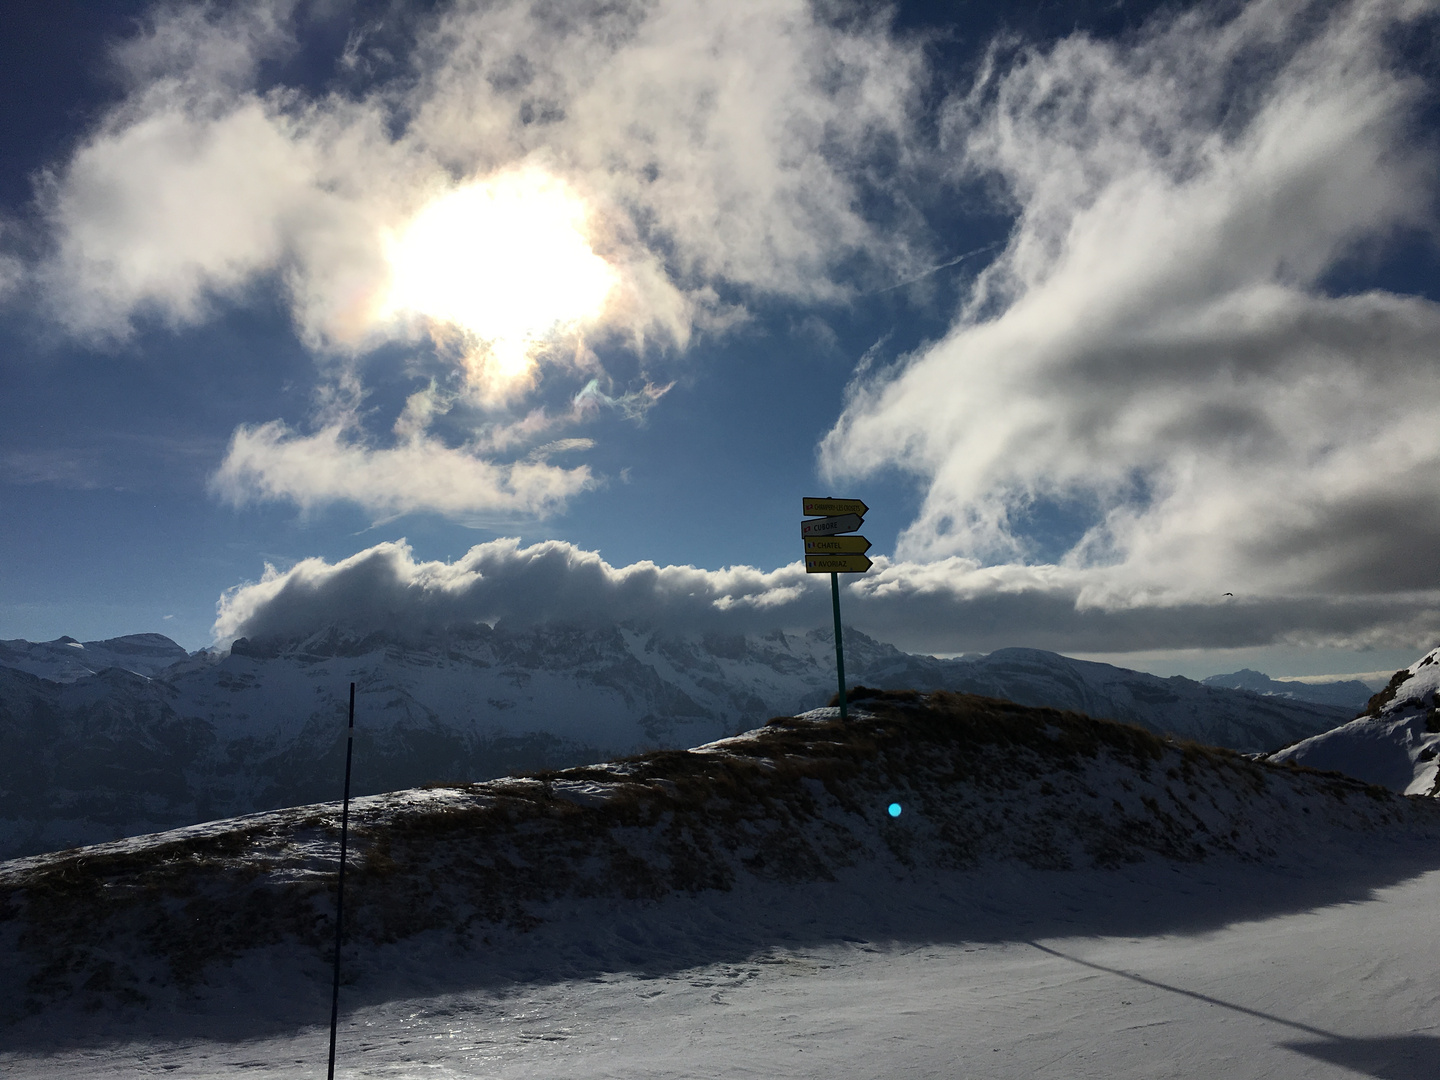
1343,990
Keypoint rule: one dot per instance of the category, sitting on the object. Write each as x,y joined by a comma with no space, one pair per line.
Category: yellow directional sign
836,564
827,507
830,526
836,545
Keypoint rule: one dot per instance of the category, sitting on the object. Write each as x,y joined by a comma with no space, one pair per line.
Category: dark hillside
982,782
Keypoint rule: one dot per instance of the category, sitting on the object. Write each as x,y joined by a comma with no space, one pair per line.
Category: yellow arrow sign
831,526
836,564
829,507
836,545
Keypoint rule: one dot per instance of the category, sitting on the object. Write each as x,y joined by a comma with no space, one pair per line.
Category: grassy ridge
799,800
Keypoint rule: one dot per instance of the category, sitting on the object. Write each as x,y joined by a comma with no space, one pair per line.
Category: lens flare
507,264
894,809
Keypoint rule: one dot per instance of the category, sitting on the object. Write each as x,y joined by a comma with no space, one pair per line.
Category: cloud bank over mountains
953,605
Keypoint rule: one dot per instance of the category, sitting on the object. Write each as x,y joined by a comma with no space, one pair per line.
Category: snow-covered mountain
1237,719
1394,744
65,659
1347,693
92,757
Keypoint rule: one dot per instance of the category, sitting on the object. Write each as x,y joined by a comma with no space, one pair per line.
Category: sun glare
505,261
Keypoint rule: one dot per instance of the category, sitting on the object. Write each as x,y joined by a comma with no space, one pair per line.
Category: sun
507,262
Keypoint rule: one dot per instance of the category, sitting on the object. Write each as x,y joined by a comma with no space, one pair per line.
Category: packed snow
1149,972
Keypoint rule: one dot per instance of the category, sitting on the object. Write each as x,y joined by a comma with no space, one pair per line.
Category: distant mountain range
65,660
1346,693
114,738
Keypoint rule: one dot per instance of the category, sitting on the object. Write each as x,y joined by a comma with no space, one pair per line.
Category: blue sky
1121,318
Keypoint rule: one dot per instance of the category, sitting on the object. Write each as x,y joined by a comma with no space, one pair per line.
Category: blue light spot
894,809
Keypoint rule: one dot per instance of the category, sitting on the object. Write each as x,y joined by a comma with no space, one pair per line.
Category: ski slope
1344,989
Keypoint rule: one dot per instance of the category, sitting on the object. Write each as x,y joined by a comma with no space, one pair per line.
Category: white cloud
712,144
418,473
949,606
169,210
384,587
707,149
1156,345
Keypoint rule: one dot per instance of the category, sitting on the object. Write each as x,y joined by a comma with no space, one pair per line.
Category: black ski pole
340,886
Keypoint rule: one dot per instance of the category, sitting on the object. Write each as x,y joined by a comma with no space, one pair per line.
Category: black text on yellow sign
830,526
836,564
836,545
827,507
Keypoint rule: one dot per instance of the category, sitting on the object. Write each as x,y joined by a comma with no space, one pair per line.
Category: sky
1122,319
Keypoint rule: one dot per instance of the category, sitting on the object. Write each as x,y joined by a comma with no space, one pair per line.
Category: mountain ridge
112,753
982,783
1348,693
66,660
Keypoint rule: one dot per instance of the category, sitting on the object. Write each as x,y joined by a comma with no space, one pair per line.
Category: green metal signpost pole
839,648
829,550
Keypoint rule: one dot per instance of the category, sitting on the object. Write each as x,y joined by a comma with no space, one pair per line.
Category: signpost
827,552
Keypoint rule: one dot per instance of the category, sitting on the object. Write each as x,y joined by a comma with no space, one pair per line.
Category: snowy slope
1394,744
516,928
1031,975
983,783
115,754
